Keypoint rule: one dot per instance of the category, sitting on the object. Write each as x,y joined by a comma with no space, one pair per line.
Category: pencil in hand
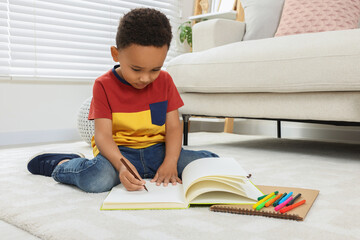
131,171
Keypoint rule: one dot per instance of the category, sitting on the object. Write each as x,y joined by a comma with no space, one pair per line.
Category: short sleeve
99,107
174,99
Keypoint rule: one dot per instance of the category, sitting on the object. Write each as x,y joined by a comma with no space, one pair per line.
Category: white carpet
50,210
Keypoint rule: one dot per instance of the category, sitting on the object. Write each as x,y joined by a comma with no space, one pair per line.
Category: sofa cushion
261,18
306,16
325,61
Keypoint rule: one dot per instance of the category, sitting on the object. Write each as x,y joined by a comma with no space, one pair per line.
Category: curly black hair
145,27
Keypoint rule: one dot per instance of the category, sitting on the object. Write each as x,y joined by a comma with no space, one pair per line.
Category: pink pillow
306,16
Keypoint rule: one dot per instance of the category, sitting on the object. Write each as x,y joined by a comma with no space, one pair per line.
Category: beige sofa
312,77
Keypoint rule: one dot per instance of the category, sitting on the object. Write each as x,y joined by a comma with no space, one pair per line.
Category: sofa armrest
216,32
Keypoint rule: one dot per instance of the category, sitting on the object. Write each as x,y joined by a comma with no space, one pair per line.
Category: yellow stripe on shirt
134,130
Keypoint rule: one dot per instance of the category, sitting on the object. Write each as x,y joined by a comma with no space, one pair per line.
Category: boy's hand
166,173
128,180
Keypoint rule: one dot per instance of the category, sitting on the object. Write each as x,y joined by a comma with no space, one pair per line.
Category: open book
205,181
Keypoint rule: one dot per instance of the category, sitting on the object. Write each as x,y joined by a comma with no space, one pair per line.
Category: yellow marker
264,203
264,199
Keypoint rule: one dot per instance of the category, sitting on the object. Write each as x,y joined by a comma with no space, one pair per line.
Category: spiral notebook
298,213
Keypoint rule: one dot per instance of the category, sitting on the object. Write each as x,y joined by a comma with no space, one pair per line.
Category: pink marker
280,206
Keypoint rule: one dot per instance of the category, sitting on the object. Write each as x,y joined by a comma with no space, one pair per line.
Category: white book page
211,167
211,186
221,198
156,194
217,167
251,190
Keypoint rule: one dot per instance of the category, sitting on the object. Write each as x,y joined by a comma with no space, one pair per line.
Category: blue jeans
98,174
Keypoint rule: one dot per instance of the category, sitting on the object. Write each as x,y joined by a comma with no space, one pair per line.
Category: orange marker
288,208
268,203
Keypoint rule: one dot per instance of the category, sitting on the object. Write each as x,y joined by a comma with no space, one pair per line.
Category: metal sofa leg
278,128
186,118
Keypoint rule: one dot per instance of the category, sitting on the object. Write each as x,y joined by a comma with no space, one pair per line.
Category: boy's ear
114,53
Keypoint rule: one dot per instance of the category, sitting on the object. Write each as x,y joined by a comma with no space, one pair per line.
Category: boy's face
139,65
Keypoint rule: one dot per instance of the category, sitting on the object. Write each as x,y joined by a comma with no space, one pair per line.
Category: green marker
259,198
277,201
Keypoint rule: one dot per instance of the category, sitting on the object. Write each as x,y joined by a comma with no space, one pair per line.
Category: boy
135,109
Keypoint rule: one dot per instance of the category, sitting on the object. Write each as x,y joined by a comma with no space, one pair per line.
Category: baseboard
349,134
292,130
41,136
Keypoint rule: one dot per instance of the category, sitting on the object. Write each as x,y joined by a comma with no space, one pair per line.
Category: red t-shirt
138,115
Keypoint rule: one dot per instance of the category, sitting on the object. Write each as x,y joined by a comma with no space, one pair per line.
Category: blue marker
286,197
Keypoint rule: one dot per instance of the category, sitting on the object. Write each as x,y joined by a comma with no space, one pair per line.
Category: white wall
33,112
187,9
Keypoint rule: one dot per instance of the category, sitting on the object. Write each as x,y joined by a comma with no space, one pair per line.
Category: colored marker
281,205
294,199
259,198
264,203
285,198
277,201
285,209
268,203
264,199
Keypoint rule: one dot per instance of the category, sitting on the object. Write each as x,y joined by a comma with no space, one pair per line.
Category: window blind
4,40
67,39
